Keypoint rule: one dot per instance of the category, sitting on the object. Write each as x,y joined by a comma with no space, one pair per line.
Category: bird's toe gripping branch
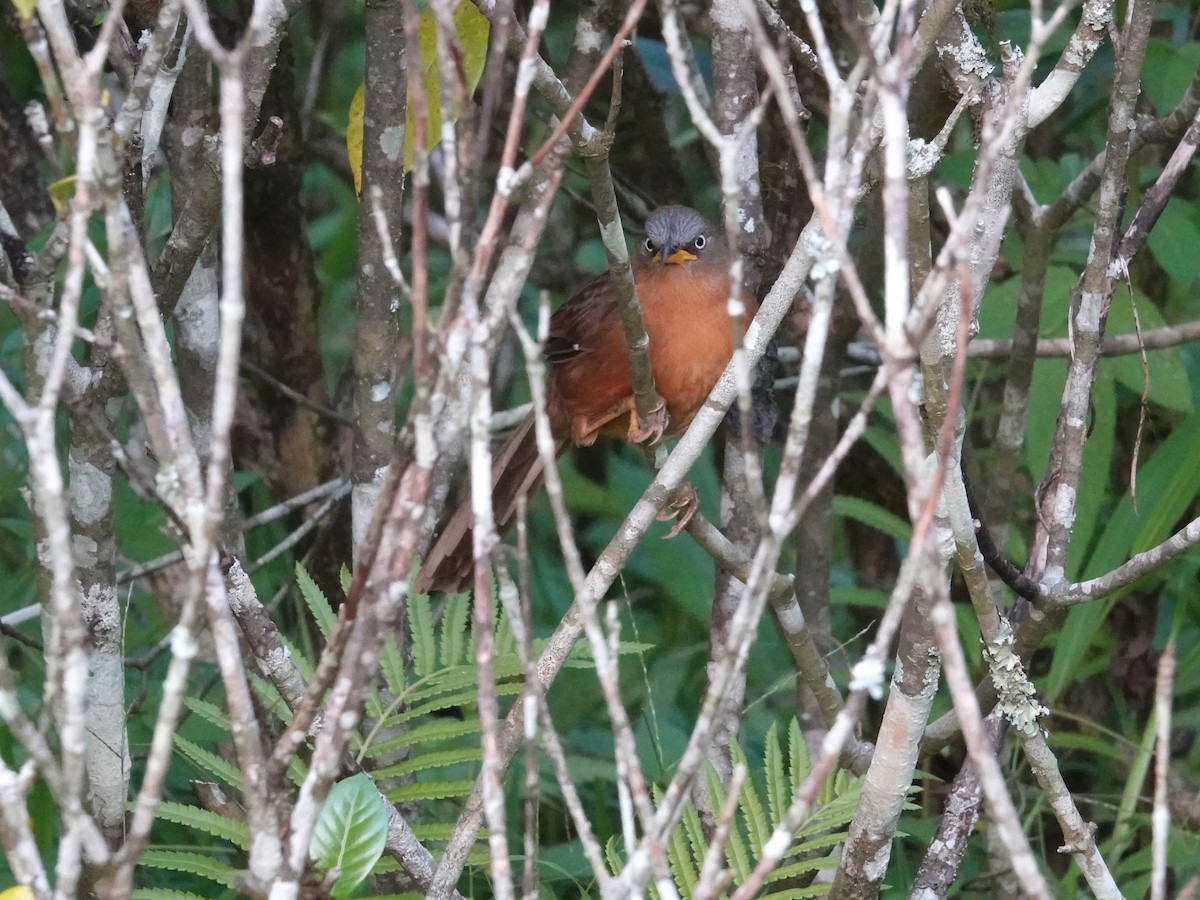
656,425
682,508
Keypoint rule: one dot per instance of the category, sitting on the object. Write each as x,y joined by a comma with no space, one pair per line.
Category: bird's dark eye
649,245
700,242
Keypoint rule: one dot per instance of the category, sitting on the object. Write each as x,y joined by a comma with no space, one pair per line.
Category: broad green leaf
873,516
1167,485
1169,383
472,29
1097,463
1167,72
61,193
350,833
1173,242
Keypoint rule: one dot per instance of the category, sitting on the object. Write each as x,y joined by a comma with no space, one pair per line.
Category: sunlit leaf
61,192
472,28
350,833
25,9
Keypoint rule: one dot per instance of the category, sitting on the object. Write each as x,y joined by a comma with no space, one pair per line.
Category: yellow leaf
20,892
25,9
472,28
354,135
61,193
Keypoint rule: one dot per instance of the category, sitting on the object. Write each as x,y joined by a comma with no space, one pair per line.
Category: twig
1160,818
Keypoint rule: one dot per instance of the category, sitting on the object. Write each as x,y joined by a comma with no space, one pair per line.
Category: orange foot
681,508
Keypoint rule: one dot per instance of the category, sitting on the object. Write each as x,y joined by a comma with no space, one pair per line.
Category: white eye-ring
700,242
649,245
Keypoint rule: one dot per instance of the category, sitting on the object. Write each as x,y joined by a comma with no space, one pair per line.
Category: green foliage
781,778
350,833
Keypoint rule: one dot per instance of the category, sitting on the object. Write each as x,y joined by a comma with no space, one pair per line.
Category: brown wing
589,364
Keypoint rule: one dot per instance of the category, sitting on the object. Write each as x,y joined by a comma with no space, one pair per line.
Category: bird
681,272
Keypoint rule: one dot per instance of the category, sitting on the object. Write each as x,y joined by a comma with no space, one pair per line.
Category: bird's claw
655,427
682,509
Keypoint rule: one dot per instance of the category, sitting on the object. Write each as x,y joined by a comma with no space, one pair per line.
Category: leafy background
1096,673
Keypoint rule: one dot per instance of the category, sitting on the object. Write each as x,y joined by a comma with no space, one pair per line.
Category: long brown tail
517,469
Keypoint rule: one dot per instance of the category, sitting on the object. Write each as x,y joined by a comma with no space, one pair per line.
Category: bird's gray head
676,235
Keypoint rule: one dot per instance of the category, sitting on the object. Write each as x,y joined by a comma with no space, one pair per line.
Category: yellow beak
677,258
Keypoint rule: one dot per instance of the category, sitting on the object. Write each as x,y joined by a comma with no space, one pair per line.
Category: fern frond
430,760
391,664
424,643
799,763
799,893
750,804
736,852
269,696
163,894
201,864
233,830
778,792
209,712
456,635
694,832
432,831
209,763
418,736
431,790
314,599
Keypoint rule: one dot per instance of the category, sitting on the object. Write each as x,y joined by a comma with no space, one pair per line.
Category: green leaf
203,864
695,836
778,795
209,763
455,632
233,830
350,833
680,860
799,763
1173,242
428,760
209,712
391,663
1169,384
751,804
25,9
426,733
420,623
316,602
431,790
1097,463
472,28
872,515
1167,72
